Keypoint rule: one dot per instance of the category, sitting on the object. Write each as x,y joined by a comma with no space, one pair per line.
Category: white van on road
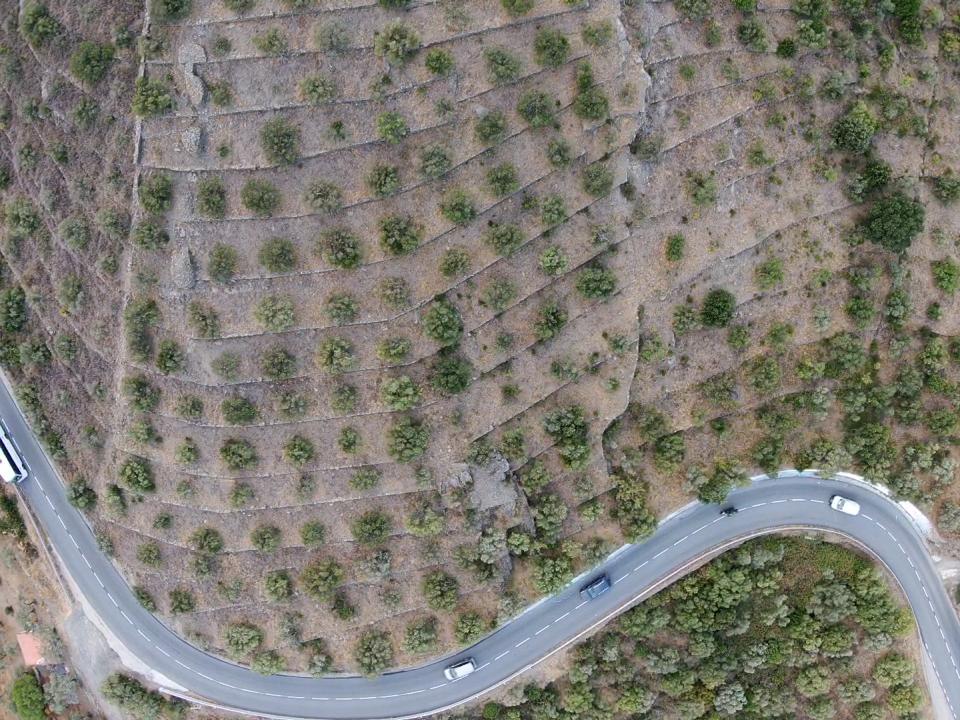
12,467
845,505
460,669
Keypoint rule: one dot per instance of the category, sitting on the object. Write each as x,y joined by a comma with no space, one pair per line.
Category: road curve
792,500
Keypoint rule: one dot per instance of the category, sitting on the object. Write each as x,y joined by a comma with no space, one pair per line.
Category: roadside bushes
132,697
374,652
27,697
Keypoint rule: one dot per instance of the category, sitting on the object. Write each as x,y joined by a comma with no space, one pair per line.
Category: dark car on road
595,588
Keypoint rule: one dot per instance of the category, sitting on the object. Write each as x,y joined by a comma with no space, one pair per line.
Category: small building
31,648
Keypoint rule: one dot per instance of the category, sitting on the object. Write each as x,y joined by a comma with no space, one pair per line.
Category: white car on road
845,505
460,669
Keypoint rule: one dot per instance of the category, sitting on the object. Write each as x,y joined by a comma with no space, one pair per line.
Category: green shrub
441,590
136,473
156,193
278,255
458,207
277,363
372,528
752,35
568,429
769,273
517,7
553,210
211,197
392,127
590,103
383,180
946,188
341,308
81,495
399,235
894,221
242,638
272,42
280,141
341,248
450,374
400,393
275,313
170,357
75,232
551,319
442,323
374,652
407,440
439,62
238,410
349,440
298,451
22,217
222,263
502,180
335,355
166,10
597,179
674,247
421,635
454,262
313,534
151,98
238,454
435,161
718,308
144,397
317,89
38,25
90,61
946,275
149,235
226,366
559,153
266,538
491,128
537,108
854,131
598,34
260,197
550,48
596,282
27,697
397,43
502,66
504,239
323,197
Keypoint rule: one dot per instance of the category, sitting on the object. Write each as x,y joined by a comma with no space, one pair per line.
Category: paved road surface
637,571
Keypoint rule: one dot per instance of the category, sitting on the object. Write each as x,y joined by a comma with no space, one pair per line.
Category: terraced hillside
801,249
367,237
384,318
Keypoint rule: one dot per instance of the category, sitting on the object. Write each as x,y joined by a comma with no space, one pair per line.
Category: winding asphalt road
792,500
